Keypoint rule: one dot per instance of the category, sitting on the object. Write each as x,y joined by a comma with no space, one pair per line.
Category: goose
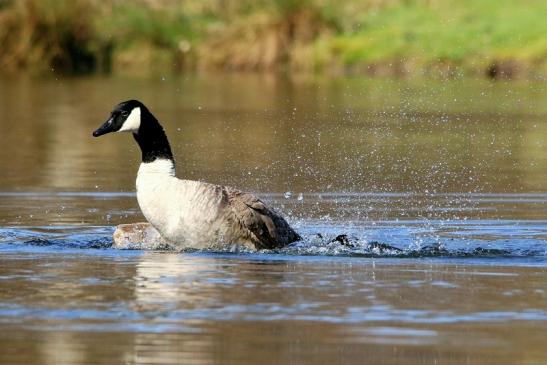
187,213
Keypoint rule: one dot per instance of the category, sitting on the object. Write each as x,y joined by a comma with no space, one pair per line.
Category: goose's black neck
152,139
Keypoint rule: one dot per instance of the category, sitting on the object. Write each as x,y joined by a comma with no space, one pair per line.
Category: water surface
438,186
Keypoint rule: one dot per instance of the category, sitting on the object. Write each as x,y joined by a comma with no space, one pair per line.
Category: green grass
470,37
465,33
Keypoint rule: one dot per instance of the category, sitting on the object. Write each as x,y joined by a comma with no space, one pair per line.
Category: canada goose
192,214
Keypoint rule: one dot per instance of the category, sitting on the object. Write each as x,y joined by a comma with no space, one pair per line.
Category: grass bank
492,38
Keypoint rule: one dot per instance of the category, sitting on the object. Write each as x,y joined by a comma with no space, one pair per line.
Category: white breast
185,212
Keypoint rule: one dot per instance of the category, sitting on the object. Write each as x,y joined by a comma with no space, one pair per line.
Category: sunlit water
439,188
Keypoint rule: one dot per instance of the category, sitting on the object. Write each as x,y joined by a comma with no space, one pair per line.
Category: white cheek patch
133,121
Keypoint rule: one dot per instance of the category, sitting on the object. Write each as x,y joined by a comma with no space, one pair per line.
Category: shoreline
385,38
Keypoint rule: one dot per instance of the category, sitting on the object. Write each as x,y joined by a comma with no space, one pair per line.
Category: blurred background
403,38
285,97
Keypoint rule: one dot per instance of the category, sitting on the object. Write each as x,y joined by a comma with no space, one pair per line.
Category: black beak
107,127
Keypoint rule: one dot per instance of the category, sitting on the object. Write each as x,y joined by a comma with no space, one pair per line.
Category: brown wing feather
267,228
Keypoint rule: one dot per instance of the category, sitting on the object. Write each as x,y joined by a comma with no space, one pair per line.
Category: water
438,187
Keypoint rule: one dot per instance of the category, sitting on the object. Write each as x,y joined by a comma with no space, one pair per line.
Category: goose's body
192,213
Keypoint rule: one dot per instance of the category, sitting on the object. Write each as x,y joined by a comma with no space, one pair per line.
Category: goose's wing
263,224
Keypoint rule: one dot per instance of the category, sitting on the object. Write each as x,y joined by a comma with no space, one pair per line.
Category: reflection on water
439,187
163,308
274,135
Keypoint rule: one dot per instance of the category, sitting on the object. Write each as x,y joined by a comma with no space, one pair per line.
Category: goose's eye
125,113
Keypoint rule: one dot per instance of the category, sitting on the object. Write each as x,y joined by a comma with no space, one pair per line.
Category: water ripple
453,239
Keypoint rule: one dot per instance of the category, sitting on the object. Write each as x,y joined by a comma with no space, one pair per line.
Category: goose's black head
132,116
126,117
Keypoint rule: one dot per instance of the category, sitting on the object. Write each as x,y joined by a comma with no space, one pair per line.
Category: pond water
440,187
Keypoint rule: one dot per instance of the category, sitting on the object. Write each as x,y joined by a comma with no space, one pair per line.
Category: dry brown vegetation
376,37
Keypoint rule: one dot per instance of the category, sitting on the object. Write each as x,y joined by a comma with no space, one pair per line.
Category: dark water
440,188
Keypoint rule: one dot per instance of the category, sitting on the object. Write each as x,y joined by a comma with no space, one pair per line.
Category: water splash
412,239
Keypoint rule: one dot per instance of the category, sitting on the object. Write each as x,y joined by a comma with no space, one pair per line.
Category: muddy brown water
451,174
